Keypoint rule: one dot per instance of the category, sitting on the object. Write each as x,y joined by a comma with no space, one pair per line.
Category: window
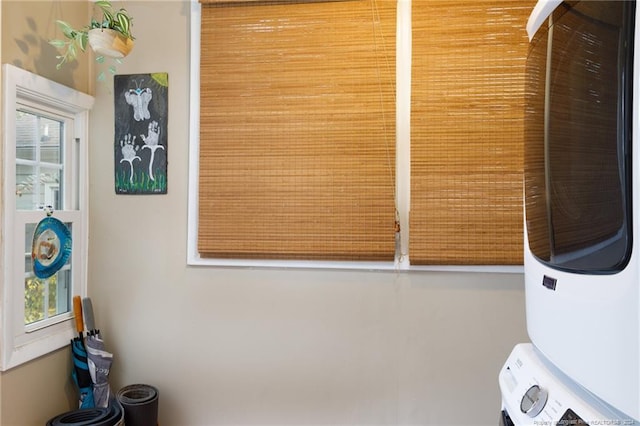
44,161
451,134
297,142
467,127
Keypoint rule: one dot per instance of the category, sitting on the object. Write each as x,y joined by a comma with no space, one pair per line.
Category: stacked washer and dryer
582,220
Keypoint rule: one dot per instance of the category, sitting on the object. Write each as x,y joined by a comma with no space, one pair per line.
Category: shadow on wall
40,57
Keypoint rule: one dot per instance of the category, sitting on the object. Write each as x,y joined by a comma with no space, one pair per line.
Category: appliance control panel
534,392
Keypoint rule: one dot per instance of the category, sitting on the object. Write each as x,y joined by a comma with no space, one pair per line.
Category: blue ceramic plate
51,247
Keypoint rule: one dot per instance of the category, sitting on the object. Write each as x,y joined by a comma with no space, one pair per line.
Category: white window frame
20,342
404,72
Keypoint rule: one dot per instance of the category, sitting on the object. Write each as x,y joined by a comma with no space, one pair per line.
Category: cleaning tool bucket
140,404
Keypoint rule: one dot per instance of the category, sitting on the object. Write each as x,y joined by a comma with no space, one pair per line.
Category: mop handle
77,312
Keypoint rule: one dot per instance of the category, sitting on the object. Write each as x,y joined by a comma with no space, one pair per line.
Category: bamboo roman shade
467,131
297,130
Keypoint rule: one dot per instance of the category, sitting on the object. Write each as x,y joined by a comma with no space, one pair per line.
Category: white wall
235,346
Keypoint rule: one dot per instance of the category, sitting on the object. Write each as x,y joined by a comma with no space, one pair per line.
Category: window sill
351,266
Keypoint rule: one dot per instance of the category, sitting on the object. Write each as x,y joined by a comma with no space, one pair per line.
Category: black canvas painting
141,107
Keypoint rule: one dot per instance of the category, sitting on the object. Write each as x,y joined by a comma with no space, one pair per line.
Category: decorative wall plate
51,247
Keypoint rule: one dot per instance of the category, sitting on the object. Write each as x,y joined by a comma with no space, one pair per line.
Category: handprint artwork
128,149
141,106
139,99
151,143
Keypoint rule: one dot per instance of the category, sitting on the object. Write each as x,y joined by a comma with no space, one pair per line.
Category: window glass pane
46,298
60,293
26,135
37,187
39,161
30,228
50,140
25,199
34,292
49,188
37,133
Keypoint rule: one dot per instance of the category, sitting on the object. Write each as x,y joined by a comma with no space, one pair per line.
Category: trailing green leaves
77,39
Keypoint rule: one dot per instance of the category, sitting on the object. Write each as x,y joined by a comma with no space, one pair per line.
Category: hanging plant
109,37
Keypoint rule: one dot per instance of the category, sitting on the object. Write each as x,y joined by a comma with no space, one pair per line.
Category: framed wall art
140,146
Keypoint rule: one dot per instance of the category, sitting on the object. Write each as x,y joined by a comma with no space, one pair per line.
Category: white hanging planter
108,42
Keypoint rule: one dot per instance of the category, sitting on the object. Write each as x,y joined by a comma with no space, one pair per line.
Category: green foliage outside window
34,298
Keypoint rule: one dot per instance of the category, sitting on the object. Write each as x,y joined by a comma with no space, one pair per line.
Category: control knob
533,401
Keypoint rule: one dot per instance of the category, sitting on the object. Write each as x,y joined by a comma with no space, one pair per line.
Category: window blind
467,131
297,130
